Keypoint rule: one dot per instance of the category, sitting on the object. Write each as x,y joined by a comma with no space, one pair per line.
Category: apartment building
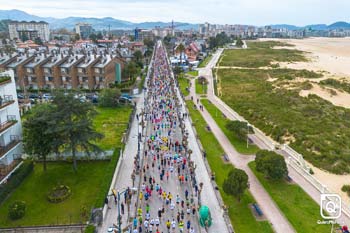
10,127
29,30
84,30
64,69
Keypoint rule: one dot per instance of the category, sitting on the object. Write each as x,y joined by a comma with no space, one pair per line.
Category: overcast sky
254,12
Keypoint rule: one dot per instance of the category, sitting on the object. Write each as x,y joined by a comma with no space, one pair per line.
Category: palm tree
180,49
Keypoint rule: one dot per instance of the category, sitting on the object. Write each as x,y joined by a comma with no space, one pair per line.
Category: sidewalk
124,174
267,205
261,142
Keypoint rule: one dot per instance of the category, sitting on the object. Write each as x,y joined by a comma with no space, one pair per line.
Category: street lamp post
248,125
127,191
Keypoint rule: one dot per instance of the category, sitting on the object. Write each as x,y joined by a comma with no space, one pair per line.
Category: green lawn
216,114
301,211
89,185
260,54
184,83
112,122
201,89
205,62
239,212
193,73
312,126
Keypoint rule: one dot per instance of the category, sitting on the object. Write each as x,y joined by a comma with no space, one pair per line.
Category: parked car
47,96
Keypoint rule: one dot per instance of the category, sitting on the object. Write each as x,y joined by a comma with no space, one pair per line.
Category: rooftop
37,60
88,60
71,60
19,60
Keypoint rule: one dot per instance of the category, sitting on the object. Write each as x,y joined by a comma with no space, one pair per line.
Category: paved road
267,205
262,141
164,159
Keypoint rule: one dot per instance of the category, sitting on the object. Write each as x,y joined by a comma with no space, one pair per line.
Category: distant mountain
287,26
339,25
97,23
316,27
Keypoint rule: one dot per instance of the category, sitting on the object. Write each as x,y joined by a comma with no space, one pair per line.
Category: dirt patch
337,98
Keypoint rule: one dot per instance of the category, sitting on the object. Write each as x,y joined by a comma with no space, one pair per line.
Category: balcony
5,170
66,79
4,80
6,100
14,141
48,79
32,80
83,80
11,120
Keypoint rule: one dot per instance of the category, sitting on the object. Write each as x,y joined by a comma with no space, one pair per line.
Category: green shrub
90,229
346,189
59,194
15,179
17,210
271,164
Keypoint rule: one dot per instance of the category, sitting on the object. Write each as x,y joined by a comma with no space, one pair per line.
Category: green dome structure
204,216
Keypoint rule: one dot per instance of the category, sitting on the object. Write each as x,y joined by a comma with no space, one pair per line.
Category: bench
257,209
226,158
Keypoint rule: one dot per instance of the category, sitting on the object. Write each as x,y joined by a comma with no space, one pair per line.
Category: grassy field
339,85
201,89
313,127
193,73
205,62
221,120
89,185
301,211
184,83
112,122
260,54
239,212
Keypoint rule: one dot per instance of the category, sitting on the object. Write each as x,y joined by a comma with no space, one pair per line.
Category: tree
180,49
109,97
271,164
239,42
99,36
93,37
130,70
39,132
24,38
38,41
138,56
75,125
236,183
149,43
240,129
177,70
76,37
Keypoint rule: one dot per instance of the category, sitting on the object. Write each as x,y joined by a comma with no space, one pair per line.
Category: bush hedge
17,210
59,194
15,179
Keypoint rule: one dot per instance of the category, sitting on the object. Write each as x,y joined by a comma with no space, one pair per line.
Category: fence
294,159
213,183
75,228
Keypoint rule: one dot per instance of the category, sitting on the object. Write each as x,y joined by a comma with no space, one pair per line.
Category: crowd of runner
167,199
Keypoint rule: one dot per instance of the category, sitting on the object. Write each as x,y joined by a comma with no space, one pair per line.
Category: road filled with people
168,194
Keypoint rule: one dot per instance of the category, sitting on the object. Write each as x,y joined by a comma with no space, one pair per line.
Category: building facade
84,30
10,127
29,30
64,69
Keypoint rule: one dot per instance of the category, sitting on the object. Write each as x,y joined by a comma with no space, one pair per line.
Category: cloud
255,12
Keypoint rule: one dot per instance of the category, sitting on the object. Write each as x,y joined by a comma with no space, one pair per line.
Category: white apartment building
29,30
10,127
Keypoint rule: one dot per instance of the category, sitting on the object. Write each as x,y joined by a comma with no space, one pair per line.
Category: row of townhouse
10,127
64,70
